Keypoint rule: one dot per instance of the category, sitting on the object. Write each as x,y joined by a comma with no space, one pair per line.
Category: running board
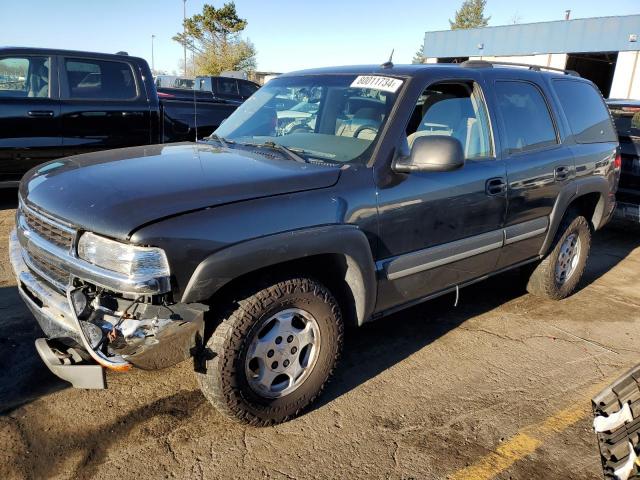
65,364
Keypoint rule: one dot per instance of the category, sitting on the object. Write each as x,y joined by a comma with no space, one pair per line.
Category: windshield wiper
286,150
221,140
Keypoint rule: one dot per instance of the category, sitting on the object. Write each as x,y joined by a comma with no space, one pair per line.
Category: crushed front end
101,303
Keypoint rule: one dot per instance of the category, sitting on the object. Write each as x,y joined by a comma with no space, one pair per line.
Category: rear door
538,165
29,114
103,105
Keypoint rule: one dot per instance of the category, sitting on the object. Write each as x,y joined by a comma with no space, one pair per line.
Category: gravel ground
423,394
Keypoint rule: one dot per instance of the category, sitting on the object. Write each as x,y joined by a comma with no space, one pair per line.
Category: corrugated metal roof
601,34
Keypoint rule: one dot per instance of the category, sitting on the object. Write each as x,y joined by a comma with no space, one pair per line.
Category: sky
288,34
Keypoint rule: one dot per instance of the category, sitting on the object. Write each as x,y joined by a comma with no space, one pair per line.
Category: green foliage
419,56
470,15
214,39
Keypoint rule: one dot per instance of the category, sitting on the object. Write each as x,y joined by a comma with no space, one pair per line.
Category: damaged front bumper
114,332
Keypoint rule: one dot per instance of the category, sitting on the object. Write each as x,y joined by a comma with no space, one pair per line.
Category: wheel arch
329,253
588,197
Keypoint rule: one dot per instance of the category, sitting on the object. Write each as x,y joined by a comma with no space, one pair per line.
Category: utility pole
184,33
153,60
567,14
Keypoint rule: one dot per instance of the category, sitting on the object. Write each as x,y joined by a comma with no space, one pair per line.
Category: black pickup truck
626,115
252,250
56,103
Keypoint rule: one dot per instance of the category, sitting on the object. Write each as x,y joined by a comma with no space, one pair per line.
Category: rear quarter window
586,112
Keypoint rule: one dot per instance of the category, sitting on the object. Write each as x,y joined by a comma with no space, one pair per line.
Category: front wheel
274,352
558,274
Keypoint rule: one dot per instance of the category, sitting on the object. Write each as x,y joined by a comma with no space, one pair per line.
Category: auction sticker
376,82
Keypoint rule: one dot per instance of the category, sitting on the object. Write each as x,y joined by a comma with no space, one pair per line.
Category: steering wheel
362,128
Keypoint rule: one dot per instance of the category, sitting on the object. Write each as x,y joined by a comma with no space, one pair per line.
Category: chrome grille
49,272
49,230
56,233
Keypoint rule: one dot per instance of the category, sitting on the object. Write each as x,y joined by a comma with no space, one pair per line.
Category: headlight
119,257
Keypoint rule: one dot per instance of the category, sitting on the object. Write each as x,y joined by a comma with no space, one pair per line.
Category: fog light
80,303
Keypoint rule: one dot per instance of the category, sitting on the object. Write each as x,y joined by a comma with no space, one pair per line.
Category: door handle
561,173
496,186
40,113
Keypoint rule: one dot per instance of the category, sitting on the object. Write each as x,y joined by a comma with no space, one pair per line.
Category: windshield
322,117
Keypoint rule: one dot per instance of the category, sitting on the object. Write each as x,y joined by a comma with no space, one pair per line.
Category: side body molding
229,263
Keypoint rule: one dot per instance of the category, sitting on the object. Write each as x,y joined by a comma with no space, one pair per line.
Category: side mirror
432,153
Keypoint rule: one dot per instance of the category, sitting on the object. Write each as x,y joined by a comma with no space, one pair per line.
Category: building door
598,67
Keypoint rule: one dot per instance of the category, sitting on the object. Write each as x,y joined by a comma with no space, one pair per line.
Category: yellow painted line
525,442
502,458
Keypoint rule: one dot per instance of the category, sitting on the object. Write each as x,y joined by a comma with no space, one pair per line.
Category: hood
115,192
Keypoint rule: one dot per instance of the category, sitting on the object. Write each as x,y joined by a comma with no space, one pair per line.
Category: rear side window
99,79
247,89
627,120
586,112
525,116
227,86
24,77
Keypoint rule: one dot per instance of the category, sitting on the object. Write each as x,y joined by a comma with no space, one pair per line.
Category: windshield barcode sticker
375,82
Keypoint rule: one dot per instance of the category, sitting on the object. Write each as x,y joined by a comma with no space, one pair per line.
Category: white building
605,50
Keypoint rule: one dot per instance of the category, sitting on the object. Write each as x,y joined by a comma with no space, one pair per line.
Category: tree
419,56
213,37
470,15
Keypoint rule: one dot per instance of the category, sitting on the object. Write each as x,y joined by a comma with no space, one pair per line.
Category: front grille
55,233
49,272
48,230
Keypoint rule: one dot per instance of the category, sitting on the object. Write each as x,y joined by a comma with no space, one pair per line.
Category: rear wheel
274,352
558,274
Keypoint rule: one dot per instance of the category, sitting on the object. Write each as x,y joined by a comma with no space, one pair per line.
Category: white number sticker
375,82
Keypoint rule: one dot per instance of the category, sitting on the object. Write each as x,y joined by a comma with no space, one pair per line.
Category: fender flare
223,266
567,196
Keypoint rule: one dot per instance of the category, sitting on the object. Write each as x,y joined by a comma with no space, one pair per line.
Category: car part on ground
617,425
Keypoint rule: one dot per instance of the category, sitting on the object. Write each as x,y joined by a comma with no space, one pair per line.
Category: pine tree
419,56
214,39
470,15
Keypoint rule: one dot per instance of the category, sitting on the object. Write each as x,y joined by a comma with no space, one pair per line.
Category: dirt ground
498,387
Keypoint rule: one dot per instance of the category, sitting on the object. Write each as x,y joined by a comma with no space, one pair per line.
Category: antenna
195,103
389,63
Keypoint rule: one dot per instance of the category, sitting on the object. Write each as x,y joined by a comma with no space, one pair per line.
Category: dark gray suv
385,186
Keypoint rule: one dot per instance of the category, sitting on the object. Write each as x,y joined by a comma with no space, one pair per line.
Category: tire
544,281
233,379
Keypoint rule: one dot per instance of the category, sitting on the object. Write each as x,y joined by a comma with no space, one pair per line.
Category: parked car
224,88
626,115
56,103
252,250
173,81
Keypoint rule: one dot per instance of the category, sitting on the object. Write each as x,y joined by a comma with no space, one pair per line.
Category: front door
103,106
29,115
441,229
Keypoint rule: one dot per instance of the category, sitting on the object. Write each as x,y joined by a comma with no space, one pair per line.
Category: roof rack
536,68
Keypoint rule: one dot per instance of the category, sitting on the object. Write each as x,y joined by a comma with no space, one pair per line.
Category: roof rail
491,63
